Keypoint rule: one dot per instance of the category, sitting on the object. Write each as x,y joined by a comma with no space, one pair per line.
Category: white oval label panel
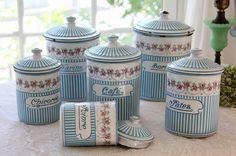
185,106
112,91
155,67
42,101
83,121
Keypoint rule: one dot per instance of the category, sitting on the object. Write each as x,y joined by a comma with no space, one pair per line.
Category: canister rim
71,39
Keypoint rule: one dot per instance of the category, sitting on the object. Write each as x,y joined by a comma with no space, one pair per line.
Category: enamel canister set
101,84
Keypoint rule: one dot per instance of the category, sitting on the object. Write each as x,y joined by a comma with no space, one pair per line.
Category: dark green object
228,87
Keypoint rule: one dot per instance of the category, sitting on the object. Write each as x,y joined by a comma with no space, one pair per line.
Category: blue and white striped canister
154,63
113,72
124,88
161,41
88,124
38,89
73,68
192,100
67,44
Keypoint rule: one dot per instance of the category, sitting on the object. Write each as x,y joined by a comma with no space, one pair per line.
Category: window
24,21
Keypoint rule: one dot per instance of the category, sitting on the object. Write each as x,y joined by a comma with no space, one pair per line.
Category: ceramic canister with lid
161,41
89,123
114,74
192,99
67,44
38,89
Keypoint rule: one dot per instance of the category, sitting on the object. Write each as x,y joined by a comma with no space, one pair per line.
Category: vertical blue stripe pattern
42,115
201,124
69,127
73,86
153,84
127,105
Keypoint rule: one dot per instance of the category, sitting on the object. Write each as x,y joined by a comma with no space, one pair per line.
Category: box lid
71,32
37,63
195,64
163,26
112,51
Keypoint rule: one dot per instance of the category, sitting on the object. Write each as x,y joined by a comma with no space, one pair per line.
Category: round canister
113,72
161,41
192,98
38,89
88,123
67,44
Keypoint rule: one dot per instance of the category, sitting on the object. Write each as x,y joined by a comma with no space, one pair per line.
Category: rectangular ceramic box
88,123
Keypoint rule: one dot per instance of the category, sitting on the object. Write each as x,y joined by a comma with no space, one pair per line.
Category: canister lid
71,32
132,134
112,51
163,26
195,64
37,63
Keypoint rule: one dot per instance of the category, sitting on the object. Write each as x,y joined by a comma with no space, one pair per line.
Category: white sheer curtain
199,10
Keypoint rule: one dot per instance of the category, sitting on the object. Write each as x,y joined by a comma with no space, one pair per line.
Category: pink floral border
113,73
105,128
193,87
34,84
65,51
163,47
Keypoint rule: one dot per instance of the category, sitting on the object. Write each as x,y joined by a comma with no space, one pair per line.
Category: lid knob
164,15
71,21
37,53
196,53
112,41
135,120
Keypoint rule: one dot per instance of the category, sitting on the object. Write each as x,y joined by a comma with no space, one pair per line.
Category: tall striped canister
161,41
38,89
88,123
193,92
67,44
113,72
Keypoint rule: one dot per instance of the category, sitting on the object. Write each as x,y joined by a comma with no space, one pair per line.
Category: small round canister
113,72
38,89
88,123
192,97
67,44
161,41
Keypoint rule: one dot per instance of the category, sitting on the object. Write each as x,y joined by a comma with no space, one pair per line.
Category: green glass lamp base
219,36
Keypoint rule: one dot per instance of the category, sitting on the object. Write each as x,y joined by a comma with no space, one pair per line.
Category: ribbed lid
133,134
37,63
195,64
112,51
71,32
163,26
